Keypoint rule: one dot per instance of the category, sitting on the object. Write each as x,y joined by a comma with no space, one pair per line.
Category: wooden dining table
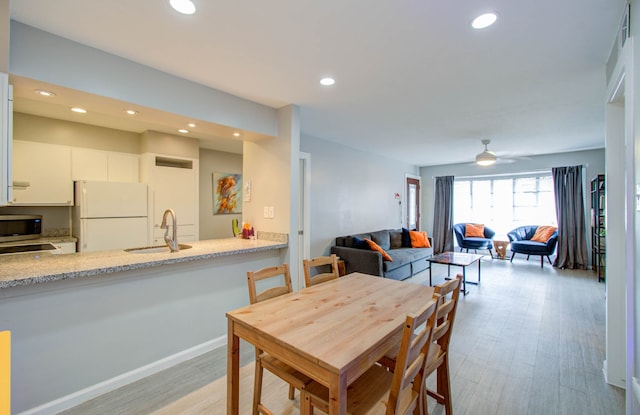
333,332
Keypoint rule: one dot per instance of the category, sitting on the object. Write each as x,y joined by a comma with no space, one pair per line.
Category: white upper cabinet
107,166
41,174
123,167
88,164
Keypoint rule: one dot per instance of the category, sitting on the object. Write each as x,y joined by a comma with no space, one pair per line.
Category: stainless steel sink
155,249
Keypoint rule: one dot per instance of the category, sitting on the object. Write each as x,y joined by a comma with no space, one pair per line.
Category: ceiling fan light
486,158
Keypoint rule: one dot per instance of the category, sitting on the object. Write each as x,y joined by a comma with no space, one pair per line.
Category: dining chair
264,360
438,359
315,264
379,391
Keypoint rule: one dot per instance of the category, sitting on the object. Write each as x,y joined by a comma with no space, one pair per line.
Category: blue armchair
473,242
521,243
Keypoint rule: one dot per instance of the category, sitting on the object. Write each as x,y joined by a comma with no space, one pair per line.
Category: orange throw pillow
472,230
375,247
543,233
419,239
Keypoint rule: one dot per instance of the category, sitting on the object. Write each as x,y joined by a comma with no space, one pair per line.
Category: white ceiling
413,81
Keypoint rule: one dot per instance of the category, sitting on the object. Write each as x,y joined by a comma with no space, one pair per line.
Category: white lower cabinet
64,247
41,174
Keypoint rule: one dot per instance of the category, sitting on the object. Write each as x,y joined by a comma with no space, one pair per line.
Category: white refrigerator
110,215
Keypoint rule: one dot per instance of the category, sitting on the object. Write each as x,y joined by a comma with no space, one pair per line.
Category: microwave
20,227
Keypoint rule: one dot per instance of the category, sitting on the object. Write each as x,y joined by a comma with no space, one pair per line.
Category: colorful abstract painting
227,193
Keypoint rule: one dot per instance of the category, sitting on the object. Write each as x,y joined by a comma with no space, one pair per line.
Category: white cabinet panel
41,174
87,164
123,167
175,188
64,247
99,165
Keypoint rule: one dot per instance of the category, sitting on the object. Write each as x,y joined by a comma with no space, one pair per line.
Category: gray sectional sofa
406,262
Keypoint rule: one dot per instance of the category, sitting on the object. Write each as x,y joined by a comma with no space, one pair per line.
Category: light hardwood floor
525,341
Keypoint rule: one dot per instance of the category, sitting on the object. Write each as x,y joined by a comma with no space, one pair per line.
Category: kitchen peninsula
41,267
87,323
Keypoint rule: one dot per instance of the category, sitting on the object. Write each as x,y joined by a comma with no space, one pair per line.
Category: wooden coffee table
501,247
458,259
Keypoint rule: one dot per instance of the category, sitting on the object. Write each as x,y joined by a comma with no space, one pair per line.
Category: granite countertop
39,267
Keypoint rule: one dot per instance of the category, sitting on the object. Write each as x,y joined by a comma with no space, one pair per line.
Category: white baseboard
76,398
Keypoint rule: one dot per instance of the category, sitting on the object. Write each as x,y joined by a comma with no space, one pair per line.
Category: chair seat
477,243
296,379
529,247
367,395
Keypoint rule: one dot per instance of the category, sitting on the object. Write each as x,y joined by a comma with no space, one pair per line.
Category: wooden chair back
449,293
417,336
272,291
380,391
323,261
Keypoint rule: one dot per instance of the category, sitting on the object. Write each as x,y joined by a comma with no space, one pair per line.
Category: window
504,203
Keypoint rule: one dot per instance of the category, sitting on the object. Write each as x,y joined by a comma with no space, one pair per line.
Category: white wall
592,159
351,191
211,161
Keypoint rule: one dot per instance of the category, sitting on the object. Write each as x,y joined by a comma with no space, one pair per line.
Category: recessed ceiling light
131,112
78,110
484,20
236,134
192,125
183,131
44,93
183,6
327,81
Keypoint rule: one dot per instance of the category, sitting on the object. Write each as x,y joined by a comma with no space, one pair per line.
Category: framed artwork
227,193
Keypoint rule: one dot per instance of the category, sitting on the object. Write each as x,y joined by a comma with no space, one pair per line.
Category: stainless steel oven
20,227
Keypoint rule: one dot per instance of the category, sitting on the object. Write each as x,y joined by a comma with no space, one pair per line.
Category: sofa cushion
375,247
395,237
381,238
419,239
406,238
360,243
405,256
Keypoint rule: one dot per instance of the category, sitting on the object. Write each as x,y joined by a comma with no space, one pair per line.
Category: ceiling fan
486,158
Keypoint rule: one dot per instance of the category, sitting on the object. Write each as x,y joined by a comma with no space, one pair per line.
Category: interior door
413,203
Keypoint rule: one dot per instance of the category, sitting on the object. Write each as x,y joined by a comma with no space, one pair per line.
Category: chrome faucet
171,241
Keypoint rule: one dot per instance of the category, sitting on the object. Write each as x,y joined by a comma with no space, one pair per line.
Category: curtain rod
523,173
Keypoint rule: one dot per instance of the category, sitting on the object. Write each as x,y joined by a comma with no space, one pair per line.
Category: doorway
304,212
413,202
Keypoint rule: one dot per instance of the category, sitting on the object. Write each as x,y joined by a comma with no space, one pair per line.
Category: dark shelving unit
598,226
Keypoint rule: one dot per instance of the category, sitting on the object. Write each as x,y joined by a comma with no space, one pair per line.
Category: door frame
304,210
408,177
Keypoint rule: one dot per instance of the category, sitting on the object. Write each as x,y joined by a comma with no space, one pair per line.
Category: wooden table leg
233,371
338,396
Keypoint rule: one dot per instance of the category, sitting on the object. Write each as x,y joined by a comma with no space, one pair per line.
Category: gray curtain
443,215
572,235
